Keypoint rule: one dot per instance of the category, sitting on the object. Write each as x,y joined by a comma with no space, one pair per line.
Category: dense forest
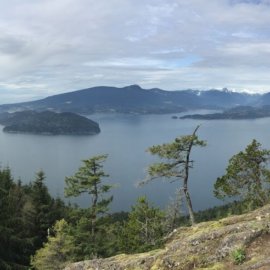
38,231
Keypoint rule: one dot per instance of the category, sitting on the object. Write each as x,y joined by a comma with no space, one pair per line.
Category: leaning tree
175,163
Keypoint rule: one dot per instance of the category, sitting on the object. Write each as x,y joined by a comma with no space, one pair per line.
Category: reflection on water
125,138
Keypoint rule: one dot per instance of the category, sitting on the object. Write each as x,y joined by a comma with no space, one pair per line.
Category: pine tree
15,240
144,229
89,179
247,176
176,163
44,210
42,201
57,251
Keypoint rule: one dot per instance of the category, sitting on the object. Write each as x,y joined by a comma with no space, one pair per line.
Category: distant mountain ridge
240,112
134,99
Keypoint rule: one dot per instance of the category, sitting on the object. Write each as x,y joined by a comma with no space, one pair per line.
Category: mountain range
134,99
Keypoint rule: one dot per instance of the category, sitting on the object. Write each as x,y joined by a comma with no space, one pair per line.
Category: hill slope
134,99
207,245
240,112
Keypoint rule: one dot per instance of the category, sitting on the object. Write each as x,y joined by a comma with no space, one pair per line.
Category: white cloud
53,46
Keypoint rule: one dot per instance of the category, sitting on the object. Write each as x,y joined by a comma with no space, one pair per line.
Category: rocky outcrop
207,245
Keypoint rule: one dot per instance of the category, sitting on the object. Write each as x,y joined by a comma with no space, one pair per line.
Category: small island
236,113
48,122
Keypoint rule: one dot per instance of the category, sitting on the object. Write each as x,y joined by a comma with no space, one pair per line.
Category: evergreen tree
144,229
247,176
88,179
176,164
15,239
42,202
43,209
57,251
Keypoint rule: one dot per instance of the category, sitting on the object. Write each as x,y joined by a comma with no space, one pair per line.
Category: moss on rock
207,245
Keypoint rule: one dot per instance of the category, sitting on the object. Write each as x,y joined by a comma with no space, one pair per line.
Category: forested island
240,112
48,122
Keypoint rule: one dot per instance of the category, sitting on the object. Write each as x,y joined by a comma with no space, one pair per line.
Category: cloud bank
53,46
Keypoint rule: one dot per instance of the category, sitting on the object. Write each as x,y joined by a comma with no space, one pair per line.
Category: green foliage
175,163
44,210
175,155
144,229
88,180
15,238
88,230
238,255
26,214
58,250
247,176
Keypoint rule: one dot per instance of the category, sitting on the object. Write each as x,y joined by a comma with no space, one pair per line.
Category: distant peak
134,87
226,90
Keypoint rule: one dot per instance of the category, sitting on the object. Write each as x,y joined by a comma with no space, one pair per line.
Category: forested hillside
134,99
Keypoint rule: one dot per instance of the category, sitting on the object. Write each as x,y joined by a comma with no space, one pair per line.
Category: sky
49,47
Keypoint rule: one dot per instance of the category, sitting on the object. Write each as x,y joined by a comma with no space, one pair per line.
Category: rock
207,245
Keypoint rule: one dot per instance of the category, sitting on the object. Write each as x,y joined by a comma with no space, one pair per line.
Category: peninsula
236,113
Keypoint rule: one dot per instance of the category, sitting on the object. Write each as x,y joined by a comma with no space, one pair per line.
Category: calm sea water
125,138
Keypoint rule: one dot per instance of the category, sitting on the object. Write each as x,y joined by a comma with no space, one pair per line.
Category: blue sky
54,46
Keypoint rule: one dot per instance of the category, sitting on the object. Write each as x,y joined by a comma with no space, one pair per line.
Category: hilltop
207,245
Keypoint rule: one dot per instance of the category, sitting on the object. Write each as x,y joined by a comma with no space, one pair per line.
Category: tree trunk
189,206
94,209
186,175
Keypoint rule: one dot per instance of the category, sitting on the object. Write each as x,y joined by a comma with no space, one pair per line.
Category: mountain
48,122
240,112
134,99
237,242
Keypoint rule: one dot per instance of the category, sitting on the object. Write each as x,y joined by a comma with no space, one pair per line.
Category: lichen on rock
207,245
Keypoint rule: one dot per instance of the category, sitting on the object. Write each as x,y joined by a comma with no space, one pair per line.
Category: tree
41,201
88,179
176,164
15,238
247,176
174,212
58,250
144,229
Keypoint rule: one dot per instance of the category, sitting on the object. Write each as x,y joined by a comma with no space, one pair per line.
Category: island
237,113
48,122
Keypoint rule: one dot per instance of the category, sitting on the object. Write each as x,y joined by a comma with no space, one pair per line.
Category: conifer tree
247,176
57,251
144,229
89,179
15,239
176,163
42,202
